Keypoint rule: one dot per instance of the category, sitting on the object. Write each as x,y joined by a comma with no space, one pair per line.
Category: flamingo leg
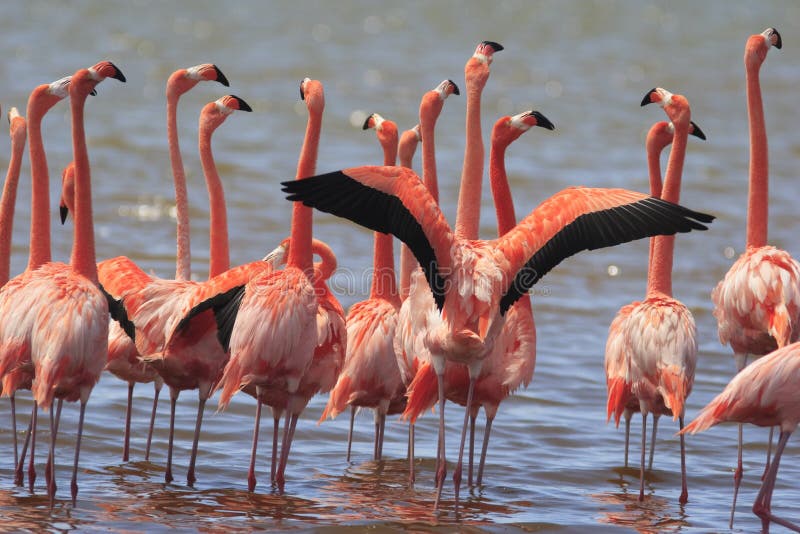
472,418
653,442
644,446
741,362
377,435
173,398
50,472
54,437
411,475
74,483
14,429
486,431
763,502
441,457
684,498
251,473
769,451
18,467
31,468
288,435
468,410
380,435
126,440
157,390
201,406
276,417
350,432
628,415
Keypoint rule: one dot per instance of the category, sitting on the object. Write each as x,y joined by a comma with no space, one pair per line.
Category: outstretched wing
580,218
391,200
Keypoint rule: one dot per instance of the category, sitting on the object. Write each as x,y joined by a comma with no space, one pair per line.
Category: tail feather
618,395
674,388
339,396
712,414
423,392
781,328
231,383
47,373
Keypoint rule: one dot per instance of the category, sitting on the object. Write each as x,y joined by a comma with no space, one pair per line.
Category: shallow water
554,464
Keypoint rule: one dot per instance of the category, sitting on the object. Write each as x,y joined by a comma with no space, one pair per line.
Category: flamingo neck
7,209
219,251
426,127
654,171
183,260
302,222
468,213
758,197
39,253
407,260
83,254
383,279
498,180
660,280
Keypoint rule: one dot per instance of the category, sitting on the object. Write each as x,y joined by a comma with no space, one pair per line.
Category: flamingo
512,361
660,336
69,334
415,312
406,148
16,324
765,393
265,323
155,308
119,275
757,303
370,376
621,402
17,131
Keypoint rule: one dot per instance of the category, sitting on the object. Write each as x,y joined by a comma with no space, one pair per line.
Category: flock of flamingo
457,325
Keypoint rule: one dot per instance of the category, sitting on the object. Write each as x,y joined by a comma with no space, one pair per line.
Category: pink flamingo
406,148
197,360
69,336
416,312
267,321
16,369
17,131
661,378
512,361
757,303
120,275
370,376
621,401
765,393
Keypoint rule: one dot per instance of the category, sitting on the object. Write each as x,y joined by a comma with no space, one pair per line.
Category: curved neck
39,253
663,249
468,213
302,222
183,261
498,180
219,252
758,198
83,254
7,208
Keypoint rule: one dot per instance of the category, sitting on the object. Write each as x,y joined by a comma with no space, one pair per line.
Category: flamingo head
408,145
214,113
17,126
67,201
311,91
476,70
508,129
386,131
675,106
182,80
757,46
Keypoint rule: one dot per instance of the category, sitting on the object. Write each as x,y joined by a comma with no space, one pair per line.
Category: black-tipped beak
118,74
221,77
243,106
302,93
543,121
646,100
455,87
64,211
696,131
496,46
778,41
366,122
93,93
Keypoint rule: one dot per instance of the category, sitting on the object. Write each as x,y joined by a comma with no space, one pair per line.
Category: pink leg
126,440
350,432
471,447
18,468
484,449
74,484
763,502
190,478
684,498
156,392
251,473
173,398
441,456
288,436
31,468
54,433
653,441
381,427
769,451
50,471
644,446
467,410
273,469
737,477
411,475
14,429
628,415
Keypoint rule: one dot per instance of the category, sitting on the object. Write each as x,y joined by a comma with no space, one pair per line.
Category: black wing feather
117,311
340,195
605,228
225,307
